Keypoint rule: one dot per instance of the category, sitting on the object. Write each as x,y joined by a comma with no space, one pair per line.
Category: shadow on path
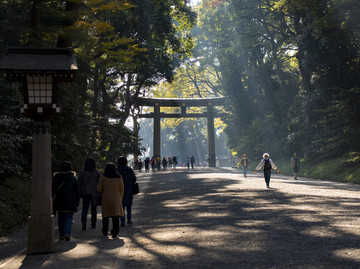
201,219
215,218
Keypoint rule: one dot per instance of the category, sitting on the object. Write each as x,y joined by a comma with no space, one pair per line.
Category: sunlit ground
216,218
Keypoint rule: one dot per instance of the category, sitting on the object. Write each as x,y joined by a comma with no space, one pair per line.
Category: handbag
136,189
54,204
98,199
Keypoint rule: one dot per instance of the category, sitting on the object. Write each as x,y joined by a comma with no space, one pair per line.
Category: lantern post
40,70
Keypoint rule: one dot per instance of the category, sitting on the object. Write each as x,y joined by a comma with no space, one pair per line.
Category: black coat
66,193
129,179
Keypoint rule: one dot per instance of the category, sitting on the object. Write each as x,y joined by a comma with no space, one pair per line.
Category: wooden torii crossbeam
183,103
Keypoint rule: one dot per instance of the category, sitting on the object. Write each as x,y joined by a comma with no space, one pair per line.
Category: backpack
267,165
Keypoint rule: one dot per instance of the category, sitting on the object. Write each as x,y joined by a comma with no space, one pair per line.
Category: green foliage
15,135
122,48
70,131
290,69
15,22
129,50
344,168
260,88
15,199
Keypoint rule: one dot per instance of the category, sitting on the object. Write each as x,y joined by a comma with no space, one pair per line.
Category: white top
262,164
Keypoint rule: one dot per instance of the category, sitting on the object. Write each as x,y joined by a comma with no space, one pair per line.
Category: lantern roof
23,60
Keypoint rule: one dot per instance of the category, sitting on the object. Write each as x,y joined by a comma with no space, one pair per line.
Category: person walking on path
295,164
153,163
192,161
158,162
66,198
88,180
164,163
174,161
267,164
188,162
146,163
245,164
129,180
140,164
112,188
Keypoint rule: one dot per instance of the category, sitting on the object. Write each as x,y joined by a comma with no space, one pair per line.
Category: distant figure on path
66,198
188,162
136,164
146,163
174,161
164,163
192,161
140,164
112,188
158,162
129,180
295,164
268,164
153,163
245,164
88,181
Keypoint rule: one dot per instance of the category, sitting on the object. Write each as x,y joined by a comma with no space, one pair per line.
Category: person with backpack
267,164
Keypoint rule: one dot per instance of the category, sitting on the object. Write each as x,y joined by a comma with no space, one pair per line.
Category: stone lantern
40,70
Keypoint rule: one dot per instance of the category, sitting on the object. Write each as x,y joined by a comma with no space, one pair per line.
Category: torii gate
183,103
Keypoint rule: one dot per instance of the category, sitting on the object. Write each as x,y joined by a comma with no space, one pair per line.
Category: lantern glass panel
39,89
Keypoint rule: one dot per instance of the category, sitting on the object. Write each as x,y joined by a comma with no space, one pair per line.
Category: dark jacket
295,162
66,193
242,162
88,182
129,179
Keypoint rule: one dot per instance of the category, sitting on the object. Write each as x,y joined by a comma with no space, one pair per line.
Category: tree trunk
65,40
94,108
37,35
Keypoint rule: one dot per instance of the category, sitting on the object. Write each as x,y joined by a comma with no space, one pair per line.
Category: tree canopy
290,70
123,48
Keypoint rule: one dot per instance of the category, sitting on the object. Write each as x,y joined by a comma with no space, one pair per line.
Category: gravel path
215,218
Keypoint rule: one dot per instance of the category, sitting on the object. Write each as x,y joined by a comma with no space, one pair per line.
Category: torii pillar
156,139
211,135
183,103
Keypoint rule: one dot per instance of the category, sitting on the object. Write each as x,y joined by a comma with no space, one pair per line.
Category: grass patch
345,168
15,198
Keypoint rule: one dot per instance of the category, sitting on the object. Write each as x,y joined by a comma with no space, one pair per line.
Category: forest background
290,70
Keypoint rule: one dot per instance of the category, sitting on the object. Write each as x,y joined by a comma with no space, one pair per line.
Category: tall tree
123,47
